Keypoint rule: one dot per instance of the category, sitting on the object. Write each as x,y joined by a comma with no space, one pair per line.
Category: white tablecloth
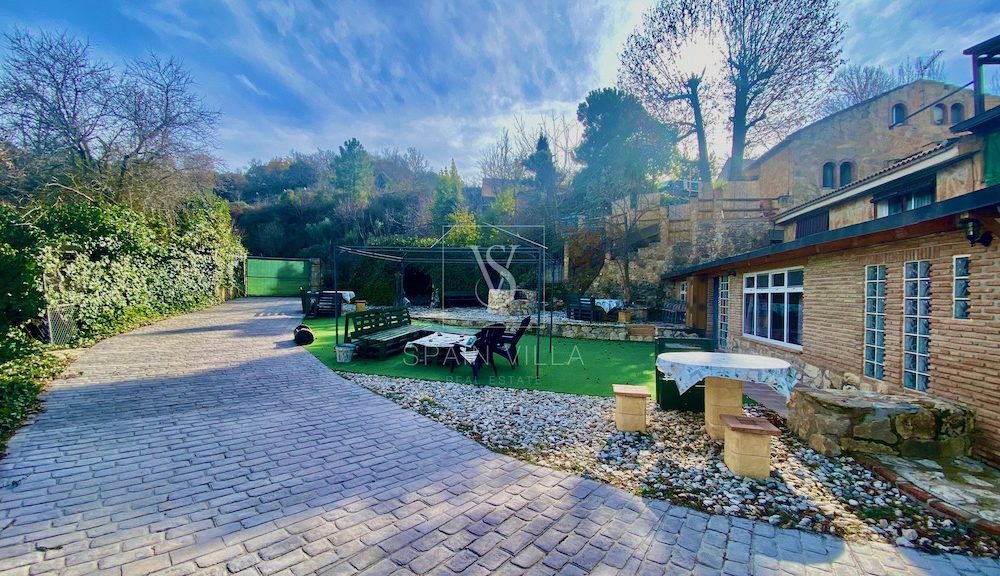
609,304
689,368
348,295
443,340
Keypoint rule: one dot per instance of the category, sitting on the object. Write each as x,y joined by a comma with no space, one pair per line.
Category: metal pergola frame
530,252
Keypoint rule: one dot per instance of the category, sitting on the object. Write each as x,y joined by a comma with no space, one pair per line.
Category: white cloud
250,85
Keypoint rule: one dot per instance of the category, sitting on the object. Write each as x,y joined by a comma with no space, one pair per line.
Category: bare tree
563,136
54,97
653,70
776,53
929,67
774,56
131,134
502,160
158,116
854,84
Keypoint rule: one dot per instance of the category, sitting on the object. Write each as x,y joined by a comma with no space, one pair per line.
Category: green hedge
117,268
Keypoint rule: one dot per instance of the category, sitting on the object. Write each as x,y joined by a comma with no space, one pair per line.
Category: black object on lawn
303,335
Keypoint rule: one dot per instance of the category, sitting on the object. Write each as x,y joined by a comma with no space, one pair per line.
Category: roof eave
931,160
979,199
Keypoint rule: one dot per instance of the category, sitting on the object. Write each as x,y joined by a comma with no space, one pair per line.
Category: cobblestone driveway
207,444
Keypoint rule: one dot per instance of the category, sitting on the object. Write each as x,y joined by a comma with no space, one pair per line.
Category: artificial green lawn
575,366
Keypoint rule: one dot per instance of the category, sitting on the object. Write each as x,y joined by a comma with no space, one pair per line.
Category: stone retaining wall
597,331
832,421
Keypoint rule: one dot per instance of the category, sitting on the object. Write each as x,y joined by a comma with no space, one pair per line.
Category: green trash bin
667,396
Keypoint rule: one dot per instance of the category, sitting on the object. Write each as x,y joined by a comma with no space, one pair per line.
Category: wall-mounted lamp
973,229
731,272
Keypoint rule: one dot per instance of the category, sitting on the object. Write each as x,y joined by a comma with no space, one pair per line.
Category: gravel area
677,461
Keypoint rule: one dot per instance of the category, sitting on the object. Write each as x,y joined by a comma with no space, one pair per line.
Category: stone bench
909,425
748,445
630,407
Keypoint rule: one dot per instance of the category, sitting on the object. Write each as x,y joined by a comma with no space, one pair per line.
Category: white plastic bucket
345,352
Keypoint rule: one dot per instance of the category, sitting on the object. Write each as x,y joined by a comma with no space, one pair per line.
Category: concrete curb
934,504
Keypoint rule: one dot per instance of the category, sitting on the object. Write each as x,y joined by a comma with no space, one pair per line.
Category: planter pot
640,314
345,352
624,315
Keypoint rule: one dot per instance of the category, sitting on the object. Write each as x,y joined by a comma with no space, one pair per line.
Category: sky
442,76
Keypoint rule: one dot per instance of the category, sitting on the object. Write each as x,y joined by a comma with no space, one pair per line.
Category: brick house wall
964,354
860,135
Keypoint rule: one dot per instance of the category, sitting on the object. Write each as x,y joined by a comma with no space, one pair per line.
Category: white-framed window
723,332
772,306
916,324
903,203
960,294
682,291
875,321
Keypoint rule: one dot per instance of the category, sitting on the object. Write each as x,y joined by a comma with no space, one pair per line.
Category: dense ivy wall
117,268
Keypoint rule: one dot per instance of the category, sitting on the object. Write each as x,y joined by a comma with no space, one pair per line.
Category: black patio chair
508,342
486,343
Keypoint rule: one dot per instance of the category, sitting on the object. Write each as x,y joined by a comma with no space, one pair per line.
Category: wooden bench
460,298
748,445
583,308
380,332
329,304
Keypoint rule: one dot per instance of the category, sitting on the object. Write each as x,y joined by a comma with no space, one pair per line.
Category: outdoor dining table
608,304
347,295
436,346
724,374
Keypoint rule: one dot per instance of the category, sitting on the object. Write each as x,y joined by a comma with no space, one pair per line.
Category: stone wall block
832,421
876,426
916,425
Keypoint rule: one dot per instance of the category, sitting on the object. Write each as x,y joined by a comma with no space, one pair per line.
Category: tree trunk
704,168
626,278
739,135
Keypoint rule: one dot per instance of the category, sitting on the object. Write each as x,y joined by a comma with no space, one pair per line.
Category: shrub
23,369
20,296
119,268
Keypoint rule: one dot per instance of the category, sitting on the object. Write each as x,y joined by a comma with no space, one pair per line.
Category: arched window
939,111
846,173
828,175
957,113
899,114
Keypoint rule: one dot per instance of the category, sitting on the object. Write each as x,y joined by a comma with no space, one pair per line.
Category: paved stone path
207,444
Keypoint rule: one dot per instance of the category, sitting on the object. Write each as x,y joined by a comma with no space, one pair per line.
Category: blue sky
444,77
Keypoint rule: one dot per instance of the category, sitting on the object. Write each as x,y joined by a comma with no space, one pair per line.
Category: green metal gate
277,276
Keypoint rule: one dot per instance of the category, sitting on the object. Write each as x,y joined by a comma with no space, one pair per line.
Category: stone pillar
722,396
748,445
630,407
315,274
